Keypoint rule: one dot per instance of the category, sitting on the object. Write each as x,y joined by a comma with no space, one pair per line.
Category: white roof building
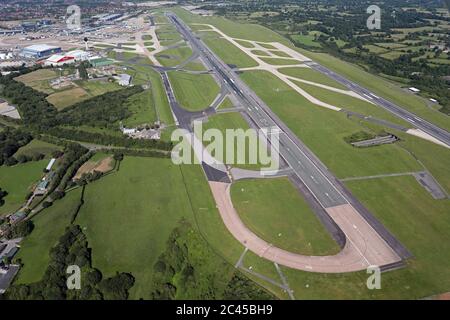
59,60
79,55
415,90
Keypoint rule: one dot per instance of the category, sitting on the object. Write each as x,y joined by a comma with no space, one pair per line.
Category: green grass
49,226
194,66
226,121
307,40
324,131
260,53
142,204
229,53
381,87
279,53
18,182
266,45
96,88
174,57
39,79
36,147
194,91
285,221
311,75
143,109
350,103
226,103
280,61
245,44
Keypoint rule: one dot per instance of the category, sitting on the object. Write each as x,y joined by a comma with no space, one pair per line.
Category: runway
377,246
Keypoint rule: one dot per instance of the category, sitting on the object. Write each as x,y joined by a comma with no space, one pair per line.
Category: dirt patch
103,166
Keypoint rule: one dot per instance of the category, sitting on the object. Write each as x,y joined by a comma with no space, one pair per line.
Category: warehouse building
39,51
57,60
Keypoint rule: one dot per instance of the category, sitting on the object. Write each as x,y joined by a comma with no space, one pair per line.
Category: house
17,216
50,164
124,79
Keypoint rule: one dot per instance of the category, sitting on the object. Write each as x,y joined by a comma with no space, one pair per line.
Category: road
433,130
376,245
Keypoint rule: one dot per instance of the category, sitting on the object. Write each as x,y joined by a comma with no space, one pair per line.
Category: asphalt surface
433,130
313,174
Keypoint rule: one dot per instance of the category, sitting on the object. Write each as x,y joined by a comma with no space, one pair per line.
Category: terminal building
39,51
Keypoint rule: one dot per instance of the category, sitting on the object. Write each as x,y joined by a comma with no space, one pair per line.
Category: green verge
351,104
49,226
286,221
324,131
229,53
18,181
194,91
143,109
311,75
281,61
174,57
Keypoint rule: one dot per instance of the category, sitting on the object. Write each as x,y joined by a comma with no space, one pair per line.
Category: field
228,52
143,109
143,204
174,57
226,121
63,99
307,40
18,181
324,131
284,220
194,91
39,79
99,162
34,252
280,61
37,147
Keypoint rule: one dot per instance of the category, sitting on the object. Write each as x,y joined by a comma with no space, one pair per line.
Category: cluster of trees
72,249
109,140
180,272
19,230
10,141
3,194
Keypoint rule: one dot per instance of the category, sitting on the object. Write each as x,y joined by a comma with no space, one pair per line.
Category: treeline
72,249
108,140
187,270
12,140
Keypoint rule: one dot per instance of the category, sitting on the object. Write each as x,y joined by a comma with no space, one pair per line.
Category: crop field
39,80
194,91
285,220
18,181
35,249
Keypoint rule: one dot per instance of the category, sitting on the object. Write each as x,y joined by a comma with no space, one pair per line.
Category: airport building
57,60
39,51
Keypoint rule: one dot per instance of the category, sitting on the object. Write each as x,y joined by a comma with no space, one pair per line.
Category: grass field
226,104
174,57
63,99
279,53
229,53
143,109
194,91
307,40
280,61
285,221
226,121
311,75
18,181
323,131
260,53
36,147
351,103
49,226
39,80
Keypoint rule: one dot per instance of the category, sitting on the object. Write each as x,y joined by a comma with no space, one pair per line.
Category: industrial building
100,62
57,60
39,51
78,55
